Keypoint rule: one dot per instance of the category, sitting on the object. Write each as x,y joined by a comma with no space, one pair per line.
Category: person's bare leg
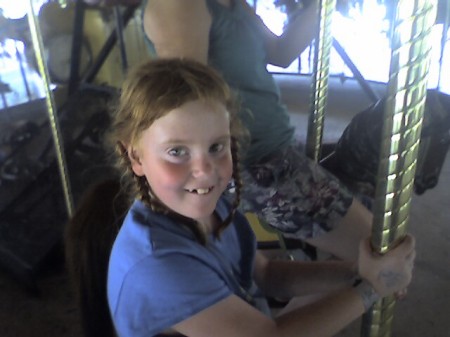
343,241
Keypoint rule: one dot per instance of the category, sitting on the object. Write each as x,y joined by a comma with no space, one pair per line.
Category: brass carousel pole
51,106
322,48
400,140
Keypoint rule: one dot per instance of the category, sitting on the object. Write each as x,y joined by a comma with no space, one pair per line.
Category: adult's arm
282,50
178,28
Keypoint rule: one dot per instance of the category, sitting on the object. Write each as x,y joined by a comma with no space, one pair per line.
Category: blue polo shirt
160,275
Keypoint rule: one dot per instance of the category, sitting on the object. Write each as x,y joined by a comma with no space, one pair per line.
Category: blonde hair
152,90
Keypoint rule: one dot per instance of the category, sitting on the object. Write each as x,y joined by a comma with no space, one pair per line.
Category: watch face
59,57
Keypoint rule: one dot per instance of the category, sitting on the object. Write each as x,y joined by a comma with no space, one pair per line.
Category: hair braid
237,184
140,185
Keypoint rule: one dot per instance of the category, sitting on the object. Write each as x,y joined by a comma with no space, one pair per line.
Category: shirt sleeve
160,292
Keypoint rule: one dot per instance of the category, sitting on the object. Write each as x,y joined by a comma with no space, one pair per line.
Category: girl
282,185
184,260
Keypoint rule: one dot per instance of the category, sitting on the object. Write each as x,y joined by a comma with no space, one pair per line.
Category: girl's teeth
202,190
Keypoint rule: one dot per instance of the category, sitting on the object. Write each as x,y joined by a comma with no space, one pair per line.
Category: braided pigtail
137,185
123,162
237,186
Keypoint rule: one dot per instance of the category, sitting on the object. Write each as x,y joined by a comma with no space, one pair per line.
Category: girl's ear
135,161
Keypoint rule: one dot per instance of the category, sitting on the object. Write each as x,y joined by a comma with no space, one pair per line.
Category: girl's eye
177,152
217,147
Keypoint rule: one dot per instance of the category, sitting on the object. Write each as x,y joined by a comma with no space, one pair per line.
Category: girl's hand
389,273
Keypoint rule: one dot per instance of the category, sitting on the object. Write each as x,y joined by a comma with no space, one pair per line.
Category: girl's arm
388,273
178,28
234,317
288,279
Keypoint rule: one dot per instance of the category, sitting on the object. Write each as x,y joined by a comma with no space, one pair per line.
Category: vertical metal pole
405,103
322,48
445,25
51,106
120,38
77,41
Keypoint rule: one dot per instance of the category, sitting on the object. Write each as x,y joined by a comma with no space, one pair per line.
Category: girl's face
186,158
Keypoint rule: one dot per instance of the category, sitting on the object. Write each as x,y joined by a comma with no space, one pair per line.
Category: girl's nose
201,165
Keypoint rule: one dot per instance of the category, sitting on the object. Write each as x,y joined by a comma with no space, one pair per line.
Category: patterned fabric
293,194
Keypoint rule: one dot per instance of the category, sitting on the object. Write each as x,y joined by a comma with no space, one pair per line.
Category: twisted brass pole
51,106
405,102
319,92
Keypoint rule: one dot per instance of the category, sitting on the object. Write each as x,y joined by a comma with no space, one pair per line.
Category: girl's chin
203,217
199,208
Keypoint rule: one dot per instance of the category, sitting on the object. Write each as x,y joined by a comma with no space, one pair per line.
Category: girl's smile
200,191
186,158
